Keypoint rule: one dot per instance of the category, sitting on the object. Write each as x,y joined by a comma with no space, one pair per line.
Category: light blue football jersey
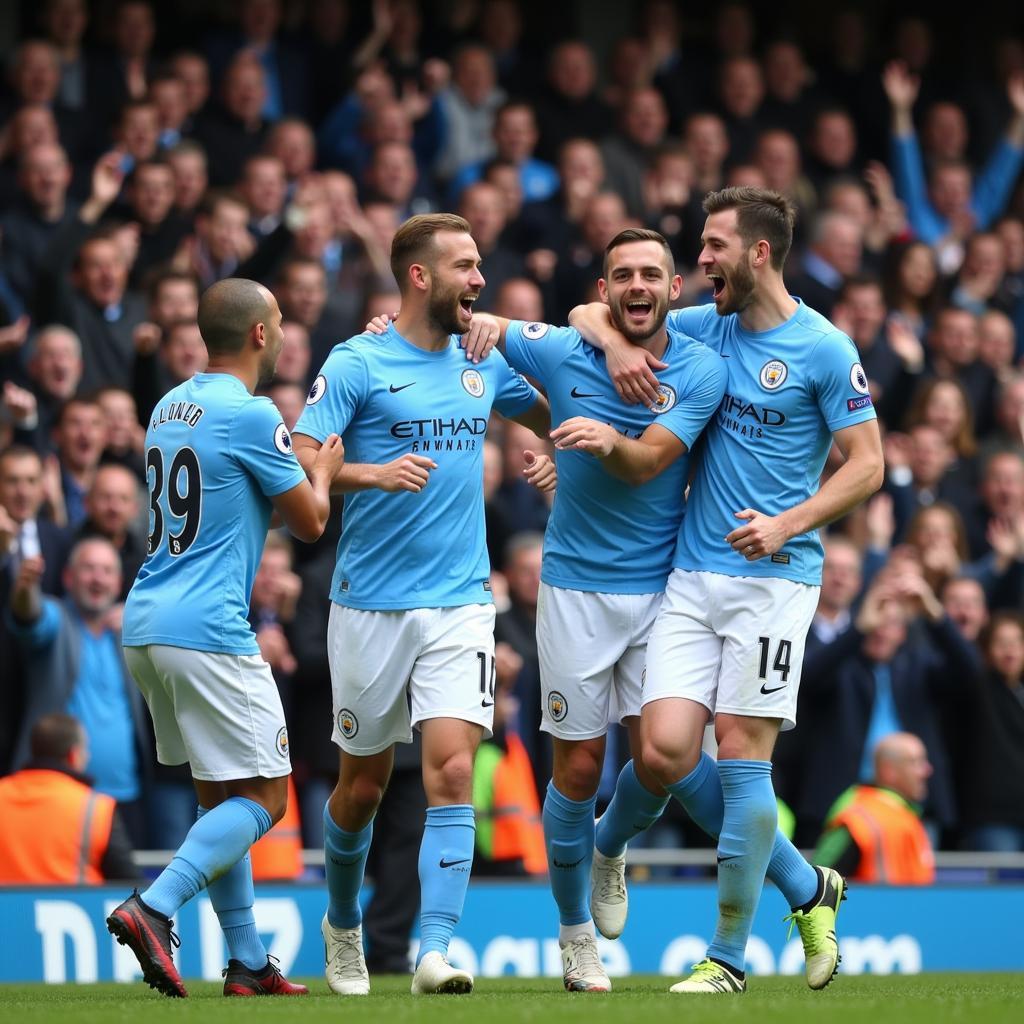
215,456
604,535
788,390
388,398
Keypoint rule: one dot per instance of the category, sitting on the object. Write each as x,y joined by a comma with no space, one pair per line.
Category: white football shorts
732,643
219,712
391,670
591,649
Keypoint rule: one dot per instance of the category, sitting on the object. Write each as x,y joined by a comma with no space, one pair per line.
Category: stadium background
402,132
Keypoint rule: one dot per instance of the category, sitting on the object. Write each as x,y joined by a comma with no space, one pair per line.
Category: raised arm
857,479
630,367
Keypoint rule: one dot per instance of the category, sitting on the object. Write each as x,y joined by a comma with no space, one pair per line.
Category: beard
741,289
637,333
443,311
268,366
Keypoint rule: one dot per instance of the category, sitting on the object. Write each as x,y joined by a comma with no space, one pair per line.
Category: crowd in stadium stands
141,161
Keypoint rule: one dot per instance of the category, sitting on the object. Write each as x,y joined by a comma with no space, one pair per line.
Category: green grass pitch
914,999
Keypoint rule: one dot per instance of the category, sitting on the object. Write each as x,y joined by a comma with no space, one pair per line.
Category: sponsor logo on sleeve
853,404
773,374
282,439
534,331
859,379
317,391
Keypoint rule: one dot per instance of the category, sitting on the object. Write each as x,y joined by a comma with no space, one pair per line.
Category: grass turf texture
924,998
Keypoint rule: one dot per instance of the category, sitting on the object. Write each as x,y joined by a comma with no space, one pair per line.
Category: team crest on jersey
317,391
473,382
558,706
665,400
283,440
774,374
531,332
282,741
859,379
348,724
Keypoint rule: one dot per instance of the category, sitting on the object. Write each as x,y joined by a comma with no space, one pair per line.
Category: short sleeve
840,383
689,321
513,393
697,404
538,349
261,443
336,394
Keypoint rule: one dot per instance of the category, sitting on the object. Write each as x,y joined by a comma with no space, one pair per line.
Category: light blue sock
633,808
344,863
700,793
744,848
446,859
569,837
211,848
232,897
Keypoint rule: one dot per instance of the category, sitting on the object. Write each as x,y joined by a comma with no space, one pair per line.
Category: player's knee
363,794
666,761
577,773
452,780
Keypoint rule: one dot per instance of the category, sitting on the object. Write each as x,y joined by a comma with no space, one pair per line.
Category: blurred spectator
26,533
126,75
289,398
978,285
234,129
887,673
992,773
997,342
293,143
519,299
840,584
112,512
1000,499
264,189
221,241
293,364
708,145
74,656
83,284
301,290
275,592
1009,416
484,208
569,106
964,601
65,23
501,30
59,831
469,106
946,209
946,406
910,281
188,161
873,833
777,155
80,436
125,435
191,68
41,210
137,132
54,373
161,227
391,177
835,253
740,95
515,139
790,96
168,95
603,218
832,148
628,153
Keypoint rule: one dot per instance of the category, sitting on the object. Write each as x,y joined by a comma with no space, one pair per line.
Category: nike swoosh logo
395,390
581,394
732,856
487,703
442,863
574,864
774,689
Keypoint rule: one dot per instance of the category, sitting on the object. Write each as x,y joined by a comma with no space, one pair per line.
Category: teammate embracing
728,641
411,631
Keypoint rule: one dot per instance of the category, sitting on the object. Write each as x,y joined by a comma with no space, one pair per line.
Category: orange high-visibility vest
278,854
55,829
518,831
894,847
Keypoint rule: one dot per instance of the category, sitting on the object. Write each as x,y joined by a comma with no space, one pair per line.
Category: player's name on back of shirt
177,412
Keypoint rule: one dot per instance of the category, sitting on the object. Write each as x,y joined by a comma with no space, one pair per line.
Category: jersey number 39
184,498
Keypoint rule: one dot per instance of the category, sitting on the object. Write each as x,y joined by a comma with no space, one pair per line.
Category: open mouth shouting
717,283
637,310
466,306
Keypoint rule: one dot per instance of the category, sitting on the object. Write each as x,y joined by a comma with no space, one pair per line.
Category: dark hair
73,401
860,281
1000,618
159,276
629,235
227,312
19,451
761,213
54,736
414,241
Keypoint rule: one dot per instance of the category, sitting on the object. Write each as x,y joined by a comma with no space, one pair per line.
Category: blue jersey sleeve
513,393
840,384
538,349
336,394
703,395
690,320
261,443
